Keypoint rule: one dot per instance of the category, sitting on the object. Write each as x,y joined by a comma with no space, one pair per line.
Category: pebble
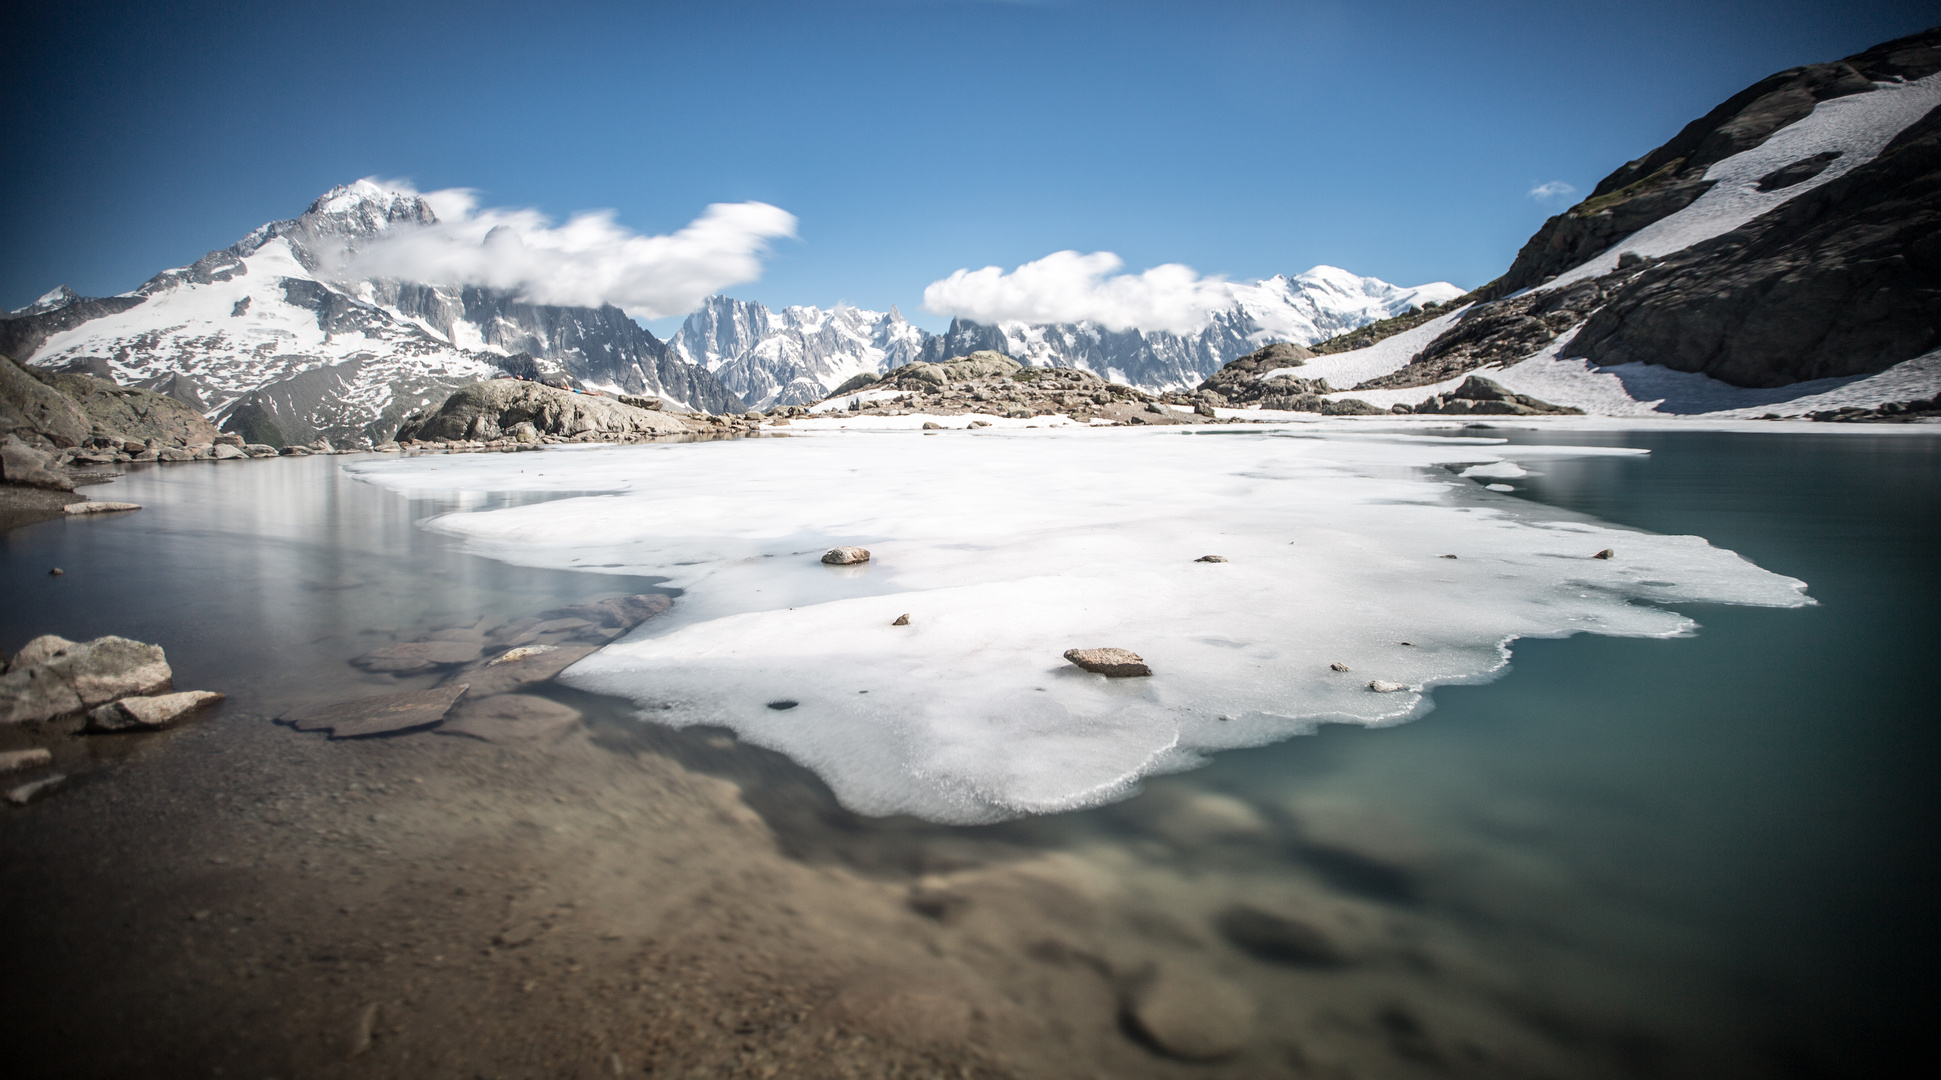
901,620
845,556
1383,686
1607,553
56,572
1211,558
1339,666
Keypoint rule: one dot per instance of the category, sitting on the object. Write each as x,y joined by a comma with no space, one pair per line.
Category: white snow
1858,125
1006,547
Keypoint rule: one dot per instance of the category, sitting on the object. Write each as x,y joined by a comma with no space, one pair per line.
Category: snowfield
1007,547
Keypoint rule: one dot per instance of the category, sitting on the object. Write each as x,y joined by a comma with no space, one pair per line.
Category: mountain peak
366,208
53,300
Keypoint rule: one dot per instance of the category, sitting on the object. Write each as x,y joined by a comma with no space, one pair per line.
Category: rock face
29,407
1111,663
1671,177
1843,280
134,413
1480,396
1240,382
491,410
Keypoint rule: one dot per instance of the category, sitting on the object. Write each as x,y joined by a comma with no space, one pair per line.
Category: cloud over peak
1555,189
588,261
1067,286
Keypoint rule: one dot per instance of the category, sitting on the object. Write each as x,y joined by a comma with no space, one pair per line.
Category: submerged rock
380,715
1280,939
28,792
1192,1016
410,657
17,760
505,718
1111,663
502,675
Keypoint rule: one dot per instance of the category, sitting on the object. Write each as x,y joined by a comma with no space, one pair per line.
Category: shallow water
1699,856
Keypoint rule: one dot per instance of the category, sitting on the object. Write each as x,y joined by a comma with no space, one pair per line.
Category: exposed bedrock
29,408
1480,396
1843,280
132,412
491,410
1505,331
1240,382
1671,177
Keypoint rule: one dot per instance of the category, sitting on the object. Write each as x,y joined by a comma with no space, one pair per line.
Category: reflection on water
1628,857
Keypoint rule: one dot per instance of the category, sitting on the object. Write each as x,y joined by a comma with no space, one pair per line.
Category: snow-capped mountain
797,356
806,352
280,350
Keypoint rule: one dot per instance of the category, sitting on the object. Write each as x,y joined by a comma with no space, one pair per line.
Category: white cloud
1067,286
588,261
1555,189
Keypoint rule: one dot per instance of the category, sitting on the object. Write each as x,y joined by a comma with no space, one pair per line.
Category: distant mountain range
802,353
261,339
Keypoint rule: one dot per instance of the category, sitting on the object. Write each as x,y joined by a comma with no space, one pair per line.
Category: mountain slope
272,344
803,353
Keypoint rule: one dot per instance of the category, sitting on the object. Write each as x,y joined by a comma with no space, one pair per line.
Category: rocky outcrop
29,466
1671,177
29,408
492,410
1240,382
1893,412
994,384
1505,331
133,413
1480,396
1843,280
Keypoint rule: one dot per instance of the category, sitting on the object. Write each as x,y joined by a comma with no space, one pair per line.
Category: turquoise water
1709,856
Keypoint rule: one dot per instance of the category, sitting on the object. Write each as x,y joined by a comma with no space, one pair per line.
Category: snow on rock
1006,548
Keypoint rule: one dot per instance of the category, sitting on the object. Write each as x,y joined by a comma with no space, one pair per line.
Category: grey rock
226,452
1478,395
104,669
900,620
1383,686
503,676
21,463
133,411
380,715
99,507
1338,666
1211,558
29,407
35,694
147,713
1112,663
845,556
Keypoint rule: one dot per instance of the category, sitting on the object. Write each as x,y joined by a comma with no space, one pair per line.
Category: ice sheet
1007,547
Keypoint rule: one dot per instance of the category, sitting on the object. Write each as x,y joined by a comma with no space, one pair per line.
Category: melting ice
1006,548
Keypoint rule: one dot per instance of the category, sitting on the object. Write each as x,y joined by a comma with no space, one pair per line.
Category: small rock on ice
1112,663
1383,686
844,556
1607,553
1339,666
1211,558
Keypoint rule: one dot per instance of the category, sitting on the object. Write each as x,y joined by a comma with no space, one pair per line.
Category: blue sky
910,138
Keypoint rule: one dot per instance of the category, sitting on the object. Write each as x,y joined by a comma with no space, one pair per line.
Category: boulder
21,463
1480,396
101,670
226,452
35,694
1111,663
493,410
380,715
1191,1015
139,713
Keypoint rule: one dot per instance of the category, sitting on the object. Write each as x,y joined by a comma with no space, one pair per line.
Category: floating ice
1008,548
